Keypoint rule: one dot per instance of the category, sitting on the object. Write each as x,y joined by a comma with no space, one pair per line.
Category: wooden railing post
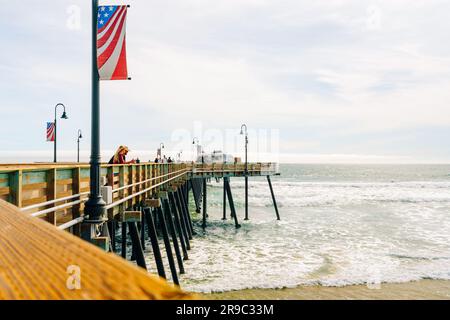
121,184
51,193
76,189
131,180
110,176
15,188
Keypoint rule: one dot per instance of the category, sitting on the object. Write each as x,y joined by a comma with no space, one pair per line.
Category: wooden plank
4,191
64,182
33,201
34,186
129,216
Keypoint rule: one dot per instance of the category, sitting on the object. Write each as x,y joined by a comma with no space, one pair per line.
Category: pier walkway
144,201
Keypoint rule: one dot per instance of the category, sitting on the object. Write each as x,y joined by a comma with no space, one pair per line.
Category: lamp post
64,116
195,142
161,147
244,126
95,206
79,137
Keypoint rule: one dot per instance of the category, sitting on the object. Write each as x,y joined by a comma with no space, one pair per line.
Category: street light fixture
80,136
244,126
196,141
161,147
64,116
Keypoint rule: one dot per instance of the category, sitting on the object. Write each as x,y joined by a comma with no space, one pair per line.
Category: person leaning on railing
120,156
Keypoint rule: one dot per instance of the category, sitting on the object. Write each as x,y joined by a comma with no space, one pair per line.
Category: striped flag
50,131
111,45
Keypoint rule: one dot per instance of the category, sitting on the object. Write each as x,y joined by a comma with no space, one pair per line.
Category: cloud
325,73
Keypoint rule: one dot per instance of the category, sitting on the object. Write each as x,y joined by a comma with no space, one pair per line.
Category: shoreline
415,290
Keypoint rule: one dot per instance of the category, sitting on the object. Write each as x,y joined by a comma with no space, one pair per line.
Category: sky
315,81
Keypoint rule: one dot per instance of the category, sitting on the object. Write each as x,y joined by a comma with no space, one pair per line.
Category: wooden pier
147,201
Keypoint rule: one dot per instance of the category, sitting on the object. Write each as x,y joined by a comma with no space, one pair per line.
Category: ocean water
341,225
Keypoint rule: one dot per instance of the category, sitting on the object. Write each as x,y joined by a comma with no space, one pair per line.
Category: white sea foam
332,233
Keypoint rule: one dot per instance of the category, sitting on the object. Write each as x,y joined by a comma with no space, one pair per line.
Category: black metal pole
246,175
273,198
188,217
184,218
165,233
154,240
95,206
173,234
124,240
195,193
54,144
224,199
78,150
179,227
138,251
56,136
230,199
142,230
205,206
112,234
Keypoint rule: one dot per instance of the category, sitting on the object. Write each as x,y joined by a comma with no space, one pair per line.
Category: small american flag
50,131
111,44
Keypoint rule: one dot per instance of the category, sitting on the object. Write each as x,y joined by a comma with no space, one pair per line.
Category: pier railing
57,192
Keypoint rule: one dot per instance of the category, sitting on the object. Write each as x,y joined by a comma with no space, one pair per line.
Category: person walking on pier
120,156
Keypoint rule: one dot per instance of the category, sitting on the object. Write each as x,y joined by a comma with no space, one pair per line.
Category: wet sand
418,290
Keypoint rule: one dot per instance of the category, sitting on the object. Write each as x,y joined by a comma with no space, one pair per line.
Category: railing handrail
148,180
43,204
119,202
57,208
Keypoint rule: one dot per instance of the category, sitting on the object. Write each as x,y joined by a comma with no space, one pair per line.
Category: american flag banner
111,44
50,131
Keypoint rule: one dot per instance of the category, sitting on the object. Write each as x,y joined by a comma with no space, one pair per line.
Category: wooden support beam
129,216
152,203
101,242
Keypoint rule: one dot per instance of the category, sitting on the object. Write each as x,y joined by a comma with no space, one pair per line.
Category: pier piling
154,241
231,201
178,226
205,205
167,244
224,199
137,247
142,229
273,198
184,214
124,240
168,215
